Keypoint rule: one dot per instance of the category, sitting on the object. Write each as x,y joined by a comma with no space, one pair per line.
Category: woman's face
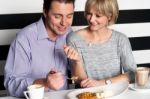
96,20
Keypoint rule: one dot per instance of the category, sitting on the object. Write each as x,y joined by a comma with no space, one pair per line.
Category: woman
105,55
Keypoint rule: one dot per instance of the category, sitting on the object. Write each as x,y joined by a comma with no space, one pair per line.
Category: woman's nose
92,19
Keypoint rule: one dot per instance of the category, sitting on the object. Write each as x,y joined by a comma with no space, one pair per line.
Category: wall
134,21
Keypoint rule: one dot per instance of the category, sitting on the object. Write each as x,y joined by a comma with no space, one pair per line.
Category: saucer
146,89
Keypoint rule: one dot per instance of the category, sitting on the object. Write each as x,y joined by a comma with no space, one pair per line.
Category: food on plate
100,95
87,95
108,93
90,95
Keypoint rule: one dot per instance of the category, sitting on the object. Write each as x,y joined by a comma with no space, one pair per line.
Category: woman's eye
98,16
88,13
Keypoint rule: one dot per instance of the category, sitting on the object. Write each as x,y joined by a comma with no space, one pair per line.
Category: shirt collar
42,33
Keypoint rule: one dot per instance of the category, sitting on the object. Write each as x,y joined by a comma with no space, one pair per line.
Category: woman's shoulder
119,35
121,38
76,34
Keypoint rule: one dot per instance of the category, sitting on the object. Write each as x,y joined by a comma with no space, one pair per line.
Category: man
37,55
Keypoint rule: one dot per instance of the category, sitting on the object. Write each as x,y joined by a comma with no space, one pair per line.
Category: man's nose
63,21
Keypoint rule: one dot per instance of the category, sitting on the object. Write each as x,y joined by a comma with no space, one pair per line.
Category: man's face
59,18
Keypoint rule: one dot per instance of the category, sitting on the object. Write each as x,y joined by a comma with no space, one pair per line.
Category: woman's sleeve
126,57
70,42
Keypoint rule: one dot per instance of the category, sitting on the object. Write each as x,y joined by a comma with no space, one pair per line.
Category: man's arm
17,69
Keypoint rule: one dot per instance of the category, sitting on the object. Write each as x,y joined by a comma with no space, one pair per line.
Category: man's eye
57,16
69,16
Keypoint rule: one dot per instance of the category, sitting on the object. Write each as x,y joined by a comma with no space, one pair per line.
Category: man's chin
62,32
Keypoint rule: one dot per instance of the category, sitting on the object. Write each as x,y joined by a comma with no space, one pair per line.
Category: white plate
109,90
132,87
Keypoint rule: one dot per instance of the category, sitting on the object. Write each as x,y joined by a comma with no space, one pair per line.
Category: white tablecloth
128,94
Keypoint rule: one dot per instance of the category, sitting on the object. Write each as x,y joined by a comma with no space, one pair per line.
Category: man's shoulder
27,30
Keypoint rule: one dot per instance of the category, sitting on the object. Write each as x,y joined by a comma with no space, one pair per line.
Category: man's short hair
47,3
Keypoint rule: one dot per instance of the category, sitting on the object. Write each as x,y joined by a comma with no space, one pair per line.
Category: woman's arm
92,83
75,63
78,71
126,57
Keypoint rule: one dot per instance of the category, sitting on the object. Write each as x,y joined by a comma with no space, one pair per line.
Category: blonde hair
108,8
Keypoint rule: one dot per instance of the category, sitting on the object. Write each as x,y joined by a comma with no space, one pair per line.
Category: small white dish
109,90
146,89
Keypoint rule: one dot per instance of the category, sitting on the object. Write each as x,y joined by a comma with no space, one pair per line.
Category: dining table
127,94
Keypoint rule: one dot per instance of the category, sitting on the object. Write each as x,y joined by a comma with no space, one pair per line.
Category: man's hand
55,80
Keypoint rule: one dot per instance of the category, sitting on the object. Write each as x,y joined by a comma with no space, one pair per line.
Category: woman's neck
100,36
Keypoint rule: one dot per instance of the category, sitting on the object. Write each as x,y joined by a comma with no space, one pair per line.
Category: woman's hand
71,53
90,83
